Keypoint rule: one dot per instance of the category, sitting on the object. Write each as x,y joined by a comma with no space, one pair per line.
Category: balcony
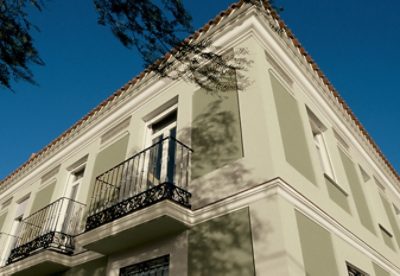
158,175
5,241
52,227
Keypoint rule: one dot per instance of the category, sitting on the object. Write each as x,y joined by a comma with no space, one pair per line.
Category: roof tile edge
139,78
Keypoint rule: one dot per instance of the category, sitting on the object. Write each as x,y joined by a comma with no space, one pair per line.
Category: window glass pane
156,267
354,271
79,174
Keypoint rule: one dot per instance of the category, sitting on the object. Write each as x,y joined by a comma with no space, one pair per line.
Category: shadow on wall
224,245
215,138
96,267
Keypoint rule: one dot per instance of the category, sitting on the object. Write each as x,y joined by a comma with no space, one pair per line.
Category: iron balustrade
158,266
53,226
159,172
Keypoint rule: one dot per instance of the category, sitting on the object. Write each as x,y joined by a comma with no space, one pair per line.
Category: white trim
329,223
255,25
6,202
70,179
241,200
164,208
155,116
278,69
238,201
282,82
49,256
310,86
113,139
115,130
176,248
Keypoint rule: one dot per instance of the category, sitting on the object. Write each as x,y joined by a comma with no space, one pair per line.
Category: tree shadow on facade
214,139
224,244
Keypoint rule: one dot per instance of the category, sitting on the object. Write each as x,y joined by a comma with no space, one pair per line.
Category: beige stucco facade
262,199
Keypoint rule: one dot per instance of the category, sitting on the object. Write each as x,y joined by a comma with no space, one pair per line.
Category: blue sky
354,42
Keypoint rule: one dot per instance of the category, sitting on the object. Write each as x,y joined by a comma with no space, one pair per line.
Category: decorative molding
342,141
161,209
115,130
6,202
231,21
50,174
58,241
281,50
49,256
78,163
279,69
145,199
333,226
190,218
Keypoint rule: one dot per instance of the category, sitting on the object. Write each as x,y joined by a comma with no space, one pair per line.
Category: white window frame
148,133
149,136
19,215
176,247
72,182
353,267
324,158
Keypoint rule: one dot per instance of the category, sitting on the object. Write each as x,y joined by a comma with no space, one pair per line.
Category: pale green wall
216,131
337,195
293,134
2,219
379,271
357,192
317,248
392,219
43,197
107,159
387,239
222,246
94,268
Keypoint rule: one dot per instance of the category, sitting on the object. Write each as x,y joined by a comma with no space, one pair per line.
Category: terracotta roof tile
216,20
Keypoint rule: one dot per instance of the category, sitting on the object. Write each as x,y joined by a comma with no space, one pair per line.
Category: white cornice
104,120
49,256
229,32
279,187
243,199
312,86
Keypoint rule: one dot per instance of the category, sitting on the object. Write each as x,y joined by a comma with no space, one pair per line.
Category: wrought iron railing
159,172
51,227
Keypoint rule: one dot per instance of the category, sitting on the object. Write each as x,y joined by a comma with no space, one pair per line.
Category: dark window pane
158,266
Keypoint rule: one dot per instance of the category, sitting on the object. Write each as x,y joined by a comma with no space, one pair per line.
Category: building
275,178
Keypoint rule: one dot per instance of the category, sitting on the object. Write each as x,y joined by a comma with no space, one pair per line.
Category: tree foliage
153,27
17,51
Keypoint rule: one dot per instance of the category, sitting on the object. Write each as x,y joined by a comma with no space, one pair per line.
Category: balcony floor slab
160,220
44,262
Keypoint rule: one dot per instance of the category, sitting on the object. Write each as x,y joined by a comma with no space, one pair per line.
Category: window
387,236
364,174
354,271
16,227
319,142
397,210
69,211
154,267
75,180
162,155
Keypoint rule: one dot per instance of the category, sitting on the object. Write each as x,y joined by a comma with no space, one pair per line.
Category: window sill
333,182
